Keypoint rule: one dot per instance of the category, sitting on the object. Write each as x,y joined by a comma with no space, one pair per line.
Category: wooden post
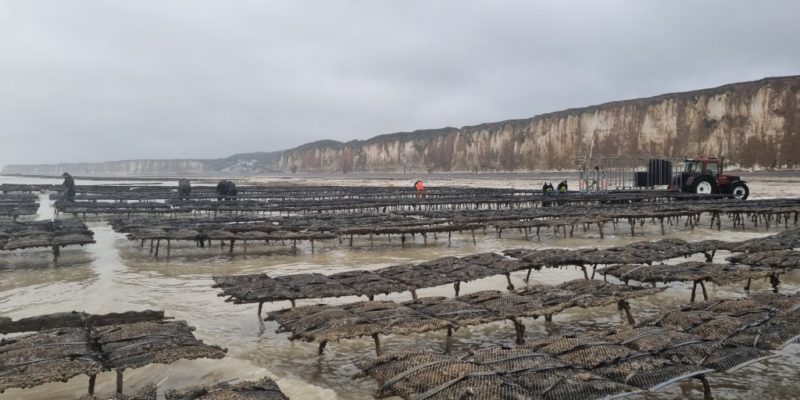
519,329
377,344
119,381
774,281
706,387
92,380
623,305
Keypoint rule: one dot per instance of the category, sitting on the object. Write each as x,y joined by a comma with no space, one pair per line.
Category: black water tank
659,172
641,179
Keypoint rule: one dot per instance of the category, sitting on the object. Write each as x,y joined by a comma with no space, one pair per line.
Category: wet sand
115,275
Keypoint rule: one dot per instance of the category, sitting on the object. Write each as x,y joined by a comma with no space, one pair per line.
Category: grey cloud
106,80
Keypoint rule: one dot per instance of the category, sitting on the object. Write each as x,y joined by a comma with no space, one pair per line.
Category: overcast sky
110,80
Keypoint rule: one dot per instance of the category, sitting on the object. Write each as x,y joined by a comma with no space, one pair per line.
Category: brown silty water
116,275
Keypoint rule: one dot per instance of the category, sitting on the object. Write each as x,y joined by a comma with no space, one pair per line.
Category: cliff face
752,124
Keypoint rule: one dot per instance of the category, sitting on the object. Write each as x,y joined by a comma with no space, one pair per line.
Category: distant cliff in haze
113,168
751,124
245,163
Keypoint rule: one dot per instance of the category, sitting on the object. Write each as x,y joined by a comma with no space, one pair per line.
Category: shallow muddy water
116,275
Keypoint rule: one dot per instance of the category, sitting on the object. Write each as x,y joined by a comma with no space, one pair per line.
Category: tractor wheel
740,191
704,185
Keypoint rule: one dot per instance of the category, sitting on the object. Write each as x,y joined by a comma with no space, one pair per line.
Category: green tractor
704,176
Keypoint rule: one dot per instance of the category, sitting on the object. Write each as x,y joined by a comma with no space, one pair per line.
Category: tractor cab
705,176
710,167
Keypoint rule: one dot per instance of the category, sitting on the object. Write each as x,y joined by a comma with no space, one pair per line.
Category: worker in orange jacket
420,187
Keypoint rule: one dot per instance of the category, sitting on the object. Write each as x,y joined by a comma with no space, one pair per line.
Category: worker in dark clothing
184,189
562,187
221,190
596,179
547,189
69,187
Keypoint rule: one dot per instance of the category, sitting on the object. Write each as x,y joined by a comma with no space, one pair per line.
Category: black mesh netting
47,356
149,392
263,389
433,376
88,344
688,342
568,384
141,343
334,322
